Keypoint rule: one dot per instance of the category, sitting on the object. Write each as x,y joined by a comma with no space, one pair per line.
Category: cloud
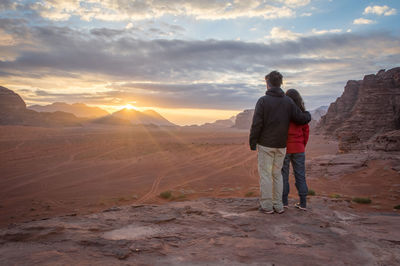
363,21
281,34
106,65
295,3
319,32
119,10
380,10
278,34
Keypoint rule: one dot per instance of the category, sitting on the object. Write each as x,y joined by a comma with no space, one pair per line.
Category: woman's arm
306,133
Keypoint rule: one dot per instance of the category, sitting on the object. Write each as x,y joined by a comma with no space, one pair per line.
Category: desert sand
47,172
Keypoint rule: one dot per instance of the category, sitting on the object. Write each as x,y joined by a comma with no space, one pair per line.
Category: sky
192,61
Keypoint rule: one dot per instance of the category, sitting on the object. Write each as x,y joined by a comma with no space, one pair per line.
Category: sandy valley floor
46,172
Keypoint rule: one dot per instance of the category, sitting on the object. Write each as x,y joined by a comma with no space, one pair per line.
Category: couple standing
276,116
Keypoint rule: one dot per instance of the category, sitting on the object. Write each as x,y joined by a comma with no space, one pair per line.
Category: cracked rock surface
208,231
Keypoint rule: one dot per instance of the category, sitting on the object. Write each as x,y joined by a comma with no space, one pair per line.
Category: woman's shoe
280,211
297,205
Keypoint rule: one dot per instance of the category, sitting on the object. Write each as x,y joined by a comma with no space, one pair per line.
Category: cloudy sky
192,61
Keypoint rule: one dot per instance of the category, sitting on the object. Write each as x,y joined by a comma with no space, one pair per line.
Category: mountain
221,123
367,114
78,109
13,111
317,113
134,117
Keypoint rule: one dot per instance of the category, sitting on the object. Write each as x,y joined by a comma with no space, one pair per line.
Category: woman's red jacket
297,138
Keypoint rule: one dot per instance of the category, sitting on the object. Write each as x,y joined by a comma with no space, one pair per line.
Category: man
268,133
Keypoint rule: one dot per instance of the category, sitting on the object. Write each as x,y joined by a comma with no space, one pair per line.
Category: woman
296,143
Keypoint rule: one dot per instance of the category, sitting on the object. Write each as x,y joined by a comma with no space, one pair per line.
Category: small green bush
166,194
335,196
362,200
249,194
397,207
311,192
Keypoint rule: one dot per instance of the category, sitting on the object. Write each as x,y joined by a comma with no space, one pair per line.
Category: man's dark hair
296,97
274,78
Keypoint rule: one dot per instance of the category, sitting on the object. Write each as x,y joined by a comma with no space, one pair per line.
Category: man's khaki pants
270,161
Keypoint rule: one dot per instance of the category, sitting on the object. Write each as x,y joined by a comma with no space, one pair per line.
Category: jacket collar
276,92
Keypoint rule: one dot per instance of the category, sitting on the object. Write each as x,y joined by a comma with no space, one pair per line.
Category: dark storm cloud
121,58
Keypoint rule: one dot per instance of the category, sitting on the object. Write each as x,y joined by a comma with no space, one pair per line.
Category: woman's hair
296,97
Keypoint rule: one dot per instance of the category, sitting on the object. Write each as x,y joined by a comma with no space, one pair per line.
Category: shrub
166,194
397,207
311,192
362,200
249,194
335,196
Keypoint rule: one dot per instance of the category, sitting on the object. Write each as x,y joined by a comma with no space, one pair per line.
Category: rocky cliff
13,111
244,119
367,110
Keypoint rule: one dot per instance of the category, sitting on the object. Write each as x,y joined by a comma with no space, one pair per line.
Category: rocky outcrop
13,111
340,110
207,232
366,109
244,119
10,101
221,123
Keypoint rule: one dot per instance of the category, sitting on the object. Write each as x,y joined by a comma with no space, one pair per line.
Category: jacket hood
276,92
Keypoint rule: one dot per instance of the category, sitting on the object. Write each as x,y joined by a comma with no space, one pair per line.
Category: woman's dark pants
298,164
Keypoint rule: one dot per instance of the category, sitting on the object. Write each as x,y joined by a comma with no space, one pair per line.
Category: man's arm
257,124
298,116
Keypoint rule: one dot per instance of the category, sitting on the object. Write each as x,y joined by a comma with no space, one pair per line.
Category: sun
129,107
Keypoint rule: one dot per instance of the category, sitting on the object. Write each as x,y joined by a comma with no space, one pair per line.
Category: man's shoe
265,211
286,206
297,205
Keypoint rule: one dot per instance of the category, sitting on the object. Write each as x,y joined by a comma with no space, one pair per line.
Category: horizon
192,62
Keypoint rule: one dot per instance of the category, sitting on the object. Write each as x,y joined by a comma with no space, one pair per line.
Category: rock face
13,112
77,109
222,123
207,232
366,109
10,101
244,119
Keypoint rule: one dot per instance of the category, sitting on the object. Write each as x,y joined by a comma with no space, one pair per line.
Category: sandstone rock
10,101
13,111
366,109
389,141
228,232
244,119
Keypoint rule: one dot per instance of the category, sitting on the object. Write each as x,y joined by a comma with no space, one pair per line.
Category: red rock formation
13,112
244,119
366,109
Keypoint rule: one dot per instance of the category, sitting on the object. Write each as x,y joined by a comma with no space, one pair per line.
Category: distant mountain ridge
135,117
78,109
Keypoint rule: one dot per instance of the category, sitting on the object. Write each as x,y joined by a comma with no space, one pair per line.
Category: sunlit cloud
380,10
363,21
111,10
